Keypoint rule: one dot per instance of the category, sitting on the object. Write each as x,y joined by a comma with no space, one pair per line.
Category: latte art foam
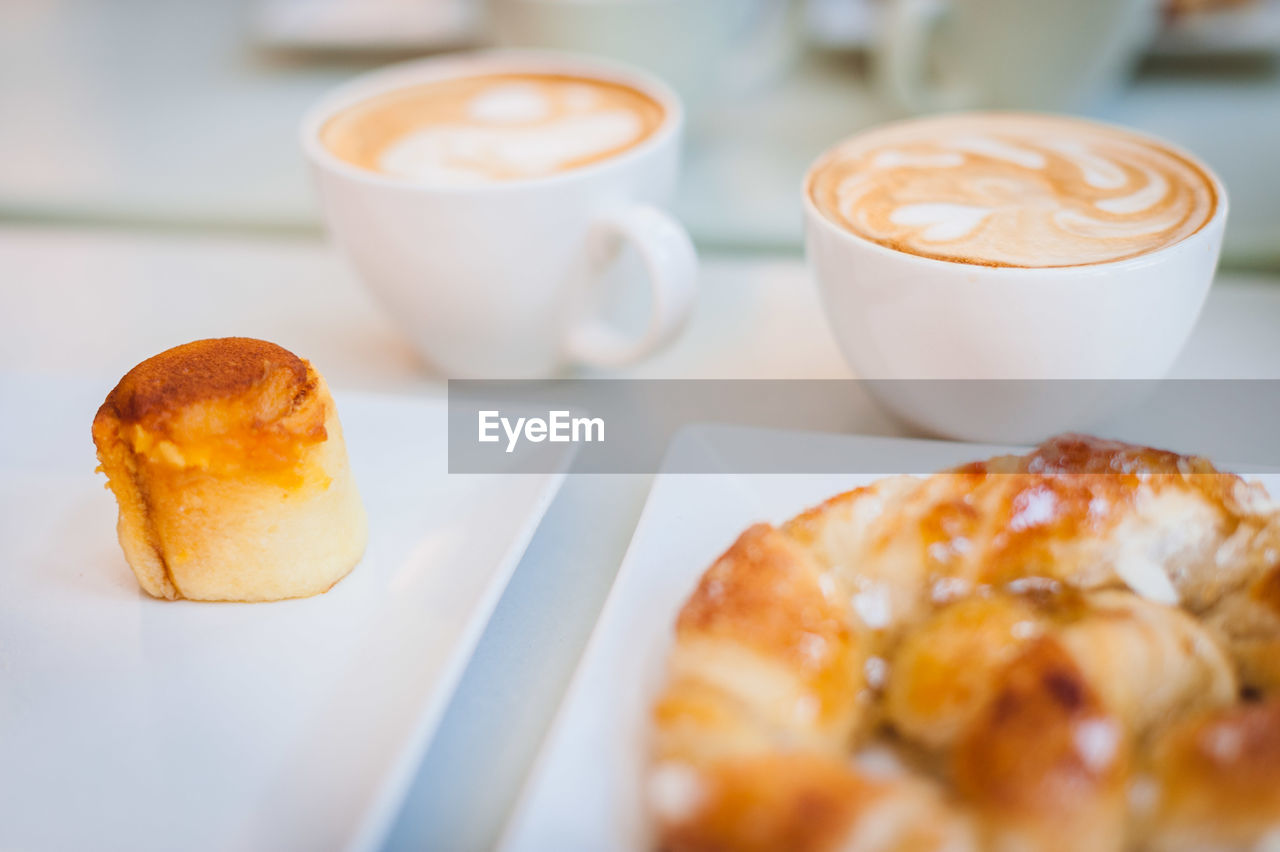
491,128
1005,190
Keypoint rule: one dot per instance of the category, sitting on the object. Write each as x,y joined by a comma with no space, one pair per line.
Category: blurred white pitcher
1024,54
703,49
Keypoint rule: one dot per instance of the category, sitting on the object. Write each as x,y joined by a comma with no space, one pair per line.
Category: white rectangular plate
584,790
133,723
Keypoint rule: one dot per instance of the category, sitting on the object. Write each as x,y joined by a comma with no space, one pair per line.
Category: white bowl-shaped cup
498,280
1003,353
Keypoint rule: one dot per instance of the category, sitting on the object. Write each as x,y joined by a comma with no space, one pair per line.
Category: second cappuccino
1010,189
1017,249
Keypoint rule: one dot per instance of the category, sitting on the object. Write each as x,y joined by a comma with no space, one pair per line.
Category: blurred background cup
505,279
702,48
1009,54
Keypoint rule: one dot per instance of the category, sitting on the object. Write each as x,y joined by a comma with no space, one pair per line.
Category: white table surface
93,303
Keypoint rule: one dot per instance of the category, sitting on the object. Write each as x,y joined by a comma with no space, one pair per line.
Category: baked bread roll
1045,764
1248,618
227,460
1022,630
1152,664
1215,782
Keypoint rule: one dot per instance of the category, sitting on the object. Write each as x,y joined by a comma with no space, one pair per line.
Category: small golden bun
227,459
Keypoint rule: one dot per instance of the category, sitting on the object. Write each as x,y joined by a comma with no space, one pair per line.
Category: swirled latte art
492,128
1004,190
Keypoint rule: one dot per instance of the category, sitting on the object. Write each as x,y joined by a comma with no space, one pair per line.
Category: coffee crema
1012,190
492,128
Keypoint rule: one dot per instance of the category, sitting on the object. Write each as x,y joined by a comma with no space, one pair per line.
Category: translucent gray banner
627,426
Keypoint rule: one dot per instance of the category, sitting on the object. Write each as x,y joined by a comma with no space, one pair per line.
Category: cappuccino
1012,190
492,128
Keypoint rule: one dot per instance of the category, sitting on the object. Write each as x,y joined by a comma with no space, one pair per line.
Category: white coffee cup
498,280
1023,54
1052,347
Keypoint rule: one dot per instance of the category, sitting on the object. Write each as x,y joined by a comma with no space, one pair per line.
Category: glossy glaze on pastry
1018,636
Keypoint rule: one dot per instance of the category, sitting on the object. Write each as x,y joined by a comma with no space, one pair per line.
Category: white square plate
583,792
133,723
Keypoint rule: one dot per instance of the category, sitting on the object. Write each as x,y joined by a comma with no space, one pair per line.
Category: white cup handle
903,61
671,265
